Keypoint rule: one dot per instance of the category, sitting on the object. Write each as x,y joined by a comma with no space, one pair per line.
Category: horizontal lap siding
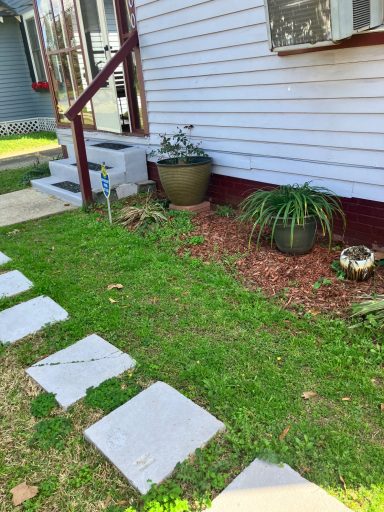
263,117
17,99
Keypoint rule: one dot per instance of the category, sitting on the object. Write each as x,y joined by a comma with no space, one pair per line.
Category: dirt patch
307,280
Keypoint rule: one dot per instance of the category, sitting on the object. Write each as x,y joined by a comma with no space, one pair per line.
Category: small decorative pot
358,262
185,184
304,236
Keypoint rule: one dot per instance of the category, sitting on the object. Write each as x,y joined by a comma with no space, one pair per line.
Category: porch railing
73,113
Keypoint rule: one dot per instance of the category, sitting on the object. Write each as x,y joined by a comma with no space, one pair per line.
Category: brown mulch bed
290,278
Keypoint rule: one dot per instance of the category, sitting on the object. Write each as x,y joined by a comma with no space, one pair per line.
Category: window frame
27,16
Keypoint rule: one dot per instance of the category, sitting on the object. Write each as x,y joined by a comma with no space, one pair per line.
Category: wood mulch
289,278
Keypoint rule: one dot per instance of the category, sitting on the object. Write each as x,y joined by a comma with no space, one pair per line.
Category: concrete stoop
125,166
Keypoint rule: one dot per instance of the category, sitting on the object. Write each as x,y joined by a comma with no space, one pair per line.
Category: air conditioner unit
305,23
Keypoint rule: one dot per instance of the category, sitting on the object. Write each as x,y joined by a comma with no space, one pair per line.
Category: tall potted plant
293,213
184,168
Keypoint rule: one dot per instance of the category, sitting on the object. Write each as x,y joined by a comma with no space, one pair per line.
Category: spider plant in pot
184,168
292,213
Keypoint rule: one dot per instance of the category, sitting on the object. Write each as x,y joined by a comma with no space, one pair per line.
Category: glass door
97,51
61,39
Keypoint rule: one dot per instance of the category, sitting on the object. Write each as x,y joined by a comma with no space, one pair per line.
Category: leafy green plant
292,205
196,240
225,210
337,268
323,281
142,216
83,476
43,405
370,309
110,394
178,147
165,498
51,433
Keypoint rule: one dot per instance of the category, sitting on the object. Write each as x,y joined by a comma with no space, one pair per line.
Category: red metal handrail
73,113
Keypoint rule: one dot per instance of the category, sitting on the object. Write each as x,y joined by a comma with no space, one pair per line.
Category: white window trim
28,15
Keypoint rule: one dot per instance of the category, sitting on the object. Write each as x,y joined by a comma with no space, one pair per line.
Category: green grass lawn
12,145
17,179
194,326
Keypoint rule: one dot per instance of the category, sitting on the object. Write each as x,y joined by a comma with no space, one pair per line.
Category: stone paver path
29,317
70,372
265,487
4,258
13,283
147,436
29,204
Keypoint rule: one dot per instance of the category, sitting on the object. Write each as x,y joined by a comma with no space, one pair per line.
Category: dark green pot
304,236
185,184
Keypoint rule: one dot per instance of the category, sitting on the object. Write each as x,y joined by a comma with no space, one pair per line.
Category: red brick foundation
365,219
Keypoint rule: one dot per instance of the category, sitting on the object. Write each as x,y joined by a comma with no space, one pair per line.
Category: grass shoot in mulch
192,324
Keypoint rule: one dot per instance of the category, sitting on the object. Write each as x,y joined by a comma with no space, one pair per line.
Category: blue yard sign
105,183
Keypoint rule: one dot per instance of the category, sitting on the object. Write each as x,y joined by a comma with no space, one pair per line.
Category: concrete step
132,159
46,185
66,170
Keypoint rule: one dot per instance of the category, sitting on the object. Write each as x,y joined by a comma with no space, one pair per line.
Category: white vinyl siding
276,119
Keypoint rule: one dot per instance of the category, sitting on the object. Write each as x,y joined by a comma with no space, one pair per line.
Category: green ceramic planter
185,184
304,236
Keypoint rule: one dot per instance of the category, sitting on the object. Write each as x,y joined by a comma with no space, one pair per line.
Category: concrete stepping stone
265,487
147,436
13,283
29,317
71,371
4,258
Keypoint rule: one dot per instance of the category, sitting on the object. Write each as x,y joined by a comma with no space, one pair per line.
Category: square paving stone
147,436
71,371
12,283
263,487
4,258
29,317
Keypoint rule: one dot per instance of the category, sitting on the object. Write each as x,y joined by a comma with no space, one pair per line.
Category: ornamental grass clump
293,206
142,216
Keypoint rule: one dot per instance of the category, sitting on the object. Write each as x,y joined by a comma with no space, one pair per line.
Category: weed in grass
43,405
165,498
38,170
48,486
51,433
110,394
83,476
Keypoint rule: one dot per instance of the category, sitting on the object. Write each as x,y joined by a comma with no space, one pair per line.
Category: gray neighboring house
22,109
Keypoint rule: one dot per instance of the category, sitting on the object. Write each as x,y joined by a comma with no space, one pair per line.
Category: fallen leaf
23,492
346,398
308,394
382,407
284,433
117,286
112,301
